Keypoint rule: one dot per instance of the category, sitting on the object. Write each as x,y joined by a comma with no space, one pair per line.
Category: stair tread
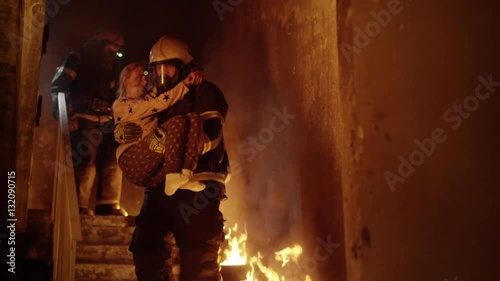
106,235
104,254
106,265
115,247
122,221
104,272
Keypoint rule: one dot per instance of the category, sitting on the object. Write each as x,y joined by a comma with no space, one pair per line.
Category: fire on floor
238,265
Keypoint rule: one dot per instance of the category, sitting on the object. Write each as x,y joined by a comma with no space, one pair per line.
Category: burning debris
237,262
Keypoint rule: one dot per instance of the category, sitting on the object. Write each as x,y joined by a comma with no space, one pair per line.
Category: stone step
113,254
106,235
104,272
107,220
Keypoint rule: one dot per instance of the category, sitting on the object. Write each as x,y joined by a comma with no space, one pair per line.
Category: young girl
169,152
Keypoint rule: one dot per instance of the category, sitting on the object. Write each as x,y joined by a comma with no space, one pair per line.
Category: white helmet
173,52
168,48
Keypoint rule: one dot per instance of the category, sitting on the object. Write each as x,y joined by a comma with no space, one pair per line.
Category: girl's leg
159,153
175,143
175,146
139,163
192,152
193,140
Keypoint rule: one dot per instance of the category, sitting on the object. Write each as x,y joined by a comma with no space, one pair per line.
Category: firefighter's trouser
94,156
197,224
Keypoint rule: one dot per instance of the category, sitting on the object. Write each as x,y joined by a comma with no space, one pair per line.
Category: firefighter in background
88,79
197,227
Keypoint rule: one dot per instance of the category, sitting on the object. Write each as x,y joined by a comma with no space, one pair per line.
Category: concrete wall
439,221
20,46
8,60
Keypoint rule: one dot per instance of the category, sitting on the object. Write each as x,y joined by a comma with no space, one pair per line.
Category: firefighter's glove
156,140
127,133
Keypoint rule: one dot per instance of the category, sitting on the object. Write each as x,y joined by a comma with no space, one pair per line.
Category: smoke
264,191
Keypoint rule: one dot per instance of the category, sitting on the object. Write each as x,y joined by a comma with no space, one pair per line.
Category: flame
288,254
270,274
236,255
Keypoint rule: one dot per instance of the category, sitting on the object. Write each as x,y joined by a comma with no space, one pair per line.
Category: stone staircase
103,254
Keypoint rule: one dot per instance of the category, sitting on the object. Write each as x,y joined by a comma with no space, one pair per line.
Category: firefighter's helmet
168,51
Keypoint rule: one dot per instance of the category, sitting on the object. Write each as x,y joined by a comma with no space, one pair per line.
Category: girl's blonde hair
127,70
